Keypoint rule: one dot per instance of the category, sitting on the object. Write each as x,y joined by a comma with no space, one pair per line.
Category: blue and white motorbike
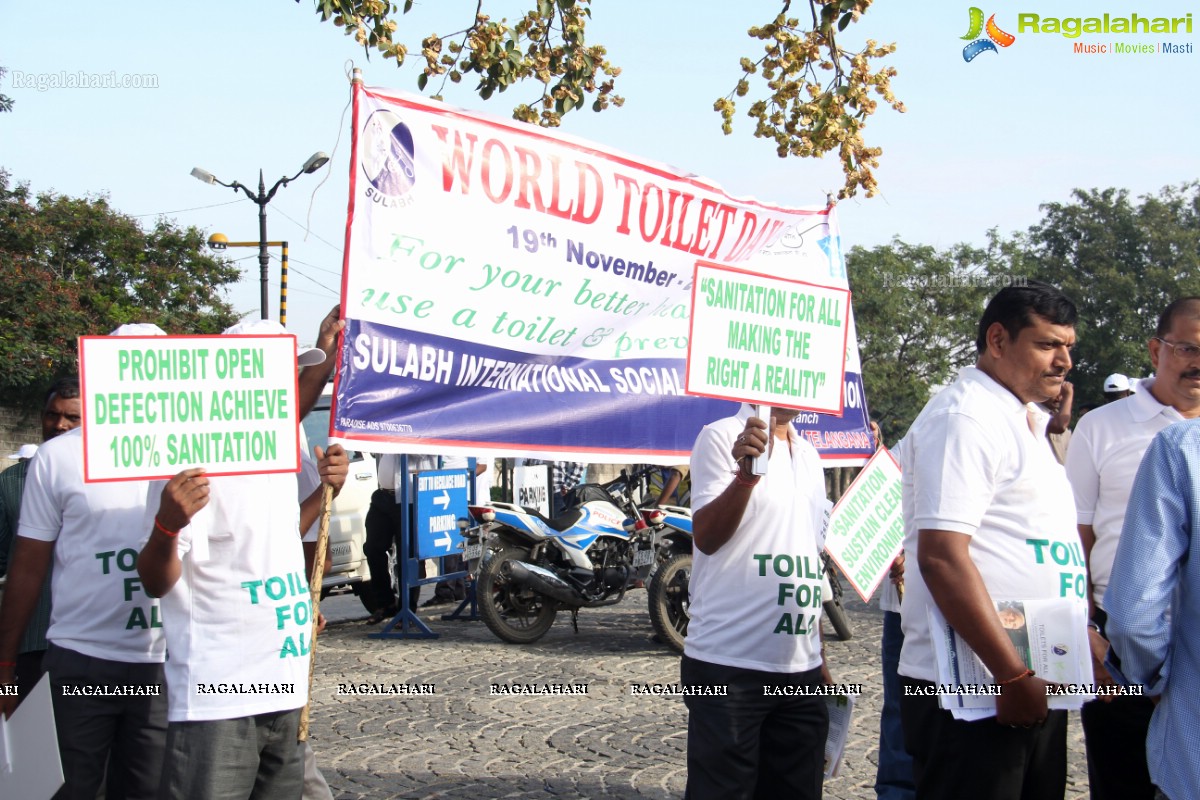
529,567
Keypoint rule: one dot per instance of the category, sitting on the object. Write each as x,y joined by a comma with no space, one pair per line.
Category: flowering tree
806,93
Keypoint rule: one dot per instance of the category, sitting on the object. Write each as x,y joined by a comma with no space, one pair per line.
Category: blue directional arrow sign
441,500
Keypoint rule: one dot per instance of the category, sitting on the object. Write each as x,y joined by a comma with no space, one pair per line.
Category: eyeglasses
1181,349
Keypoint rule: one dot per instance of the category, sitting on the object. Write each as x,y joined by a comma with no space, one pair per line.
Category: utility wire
307,231
184,210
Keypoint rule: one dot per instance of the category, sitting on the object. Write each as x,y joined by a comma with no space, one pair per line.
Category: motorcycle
668,590
529,567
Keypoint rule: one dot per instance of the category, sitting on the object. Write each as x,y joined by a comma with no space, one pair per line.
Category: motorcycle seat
560,524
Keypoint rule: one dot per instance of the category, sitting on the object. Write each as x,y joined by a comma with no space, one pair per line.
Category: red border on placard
219,337
691,331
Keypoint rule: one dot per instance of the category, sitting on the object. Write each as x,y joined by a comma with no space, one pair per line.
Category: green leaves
6,102
1122,260
813,97
1119,259
74,266
915,310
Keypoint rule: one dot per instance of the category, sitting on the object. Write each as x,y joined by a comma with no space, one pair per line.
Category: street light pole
263,260
314,163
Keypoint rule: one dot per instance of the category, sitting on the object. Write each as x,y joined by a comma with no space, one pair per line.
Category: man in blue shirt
1153,598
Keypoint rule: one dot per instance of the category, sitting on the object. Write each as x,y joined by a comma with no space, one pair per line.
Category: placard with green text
155,405
866,527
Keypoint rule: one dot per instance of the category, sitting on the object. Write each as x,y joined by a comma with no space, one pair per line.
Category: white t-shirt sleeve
712,467
955,468
1083,473
818,472
41,510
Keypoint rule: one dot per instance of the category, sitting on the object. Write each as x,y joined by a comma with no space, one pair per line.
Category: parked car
347,568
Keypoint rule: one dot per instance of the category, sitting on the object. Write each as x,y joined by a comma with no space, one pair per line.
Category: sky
247,86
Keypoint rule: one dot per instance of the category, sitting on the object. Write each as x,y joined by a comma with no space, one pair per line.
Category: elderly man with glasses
1102,462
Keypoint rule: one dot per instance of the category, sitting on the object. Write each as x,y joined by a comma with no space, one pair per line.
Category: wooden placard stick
314,585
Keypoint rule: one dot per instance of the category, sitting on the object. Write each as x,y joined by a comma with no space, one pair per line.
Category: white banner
516,290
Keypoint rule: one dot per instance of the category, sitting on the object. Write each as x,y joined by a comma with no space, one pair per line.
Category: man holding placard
988,517
224,553
753,663
106,640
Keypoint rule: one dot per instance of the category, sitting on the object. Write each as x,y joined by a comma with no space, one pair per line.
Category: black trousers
456,588
116,742
982,760
29,671
749,744
384,517
1115,736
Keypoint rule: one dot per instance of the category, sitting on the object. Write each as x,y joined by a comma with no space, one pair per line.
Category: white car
347,568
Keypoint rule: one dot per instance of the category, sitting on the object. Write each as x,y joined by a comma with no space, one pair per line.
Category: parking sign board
441,500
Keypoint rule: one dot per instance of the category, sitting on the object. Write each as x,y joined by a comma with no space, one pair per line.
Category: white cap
305,356
1117,383
26,451
138,329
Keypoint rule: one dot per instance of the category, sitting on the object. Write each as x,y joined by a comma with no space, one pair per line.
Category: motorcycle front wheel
669,600
517,615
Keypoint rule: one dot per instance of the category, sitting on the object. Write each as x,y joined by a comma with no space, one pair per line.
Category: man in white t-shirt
755,613
1101,465
61,412
225,556
105,630
988,517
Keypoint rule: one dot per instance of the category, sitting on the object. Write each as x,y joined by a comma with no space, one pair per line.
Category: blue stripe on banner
414,387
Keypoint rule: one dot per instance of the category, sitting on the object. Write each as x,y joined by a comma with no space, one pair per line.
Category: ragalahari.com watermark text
79,79
893,280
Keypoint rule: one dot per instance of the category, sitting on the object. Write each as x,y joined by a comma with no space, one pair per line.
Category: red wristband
1026,674
158,525
8,664
740,481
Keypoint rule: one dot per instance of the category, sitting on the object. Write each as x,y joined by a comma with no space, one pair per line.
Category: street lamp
314,163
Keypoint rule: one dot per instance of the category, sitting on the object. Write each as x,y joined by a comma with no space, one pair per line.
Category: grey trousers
234,759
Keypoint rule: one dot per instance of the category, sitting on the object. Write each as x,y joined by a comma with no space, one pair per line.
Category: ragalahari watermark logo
995,36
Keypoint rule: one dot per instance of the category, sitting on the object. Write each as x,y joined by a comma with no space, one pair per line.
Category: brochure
1050,634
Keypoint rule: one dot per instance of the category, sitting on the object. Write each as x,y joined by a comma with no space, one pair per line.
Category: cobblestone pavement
463,742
